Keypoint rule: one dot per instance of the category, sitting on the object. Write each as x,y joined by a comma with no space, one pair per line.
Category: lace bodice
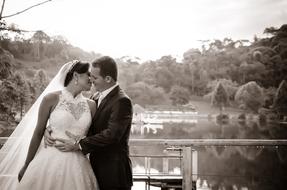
71,114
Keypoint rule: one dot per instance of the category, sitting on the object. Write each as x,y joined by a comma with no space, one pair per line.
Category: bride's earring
75,78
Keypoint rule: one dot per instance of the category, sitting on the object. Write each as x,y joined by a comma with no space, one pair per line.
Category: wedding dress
52,169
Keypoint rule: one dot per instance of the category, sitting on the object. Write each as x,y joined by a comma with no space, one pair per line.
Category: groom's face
98,81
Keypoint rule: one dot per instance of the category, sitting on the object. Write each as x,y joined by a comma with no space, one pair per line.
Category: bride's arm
43,115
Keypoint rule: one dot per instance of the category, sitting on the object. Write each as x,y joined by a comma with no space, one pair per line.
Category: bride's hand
22,172
48,139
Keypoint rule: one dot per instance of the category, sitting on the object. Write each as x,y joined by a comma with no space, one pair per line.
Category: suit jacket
107,141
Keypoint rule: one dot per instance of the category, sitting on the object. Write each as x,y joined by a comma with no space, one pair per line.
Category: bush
272,117
229,85
250,96
242,116
222,119
220,97
262,118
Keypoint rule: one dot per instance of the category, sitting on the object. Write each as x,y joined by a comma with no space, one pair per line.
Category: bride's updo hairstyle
78,67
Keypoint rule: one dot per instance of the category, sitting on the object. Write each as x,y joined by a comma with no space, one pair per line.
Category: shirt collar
107,91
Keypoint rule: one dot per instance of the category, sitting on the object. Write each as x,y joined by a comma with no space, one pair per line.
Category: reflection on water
238,167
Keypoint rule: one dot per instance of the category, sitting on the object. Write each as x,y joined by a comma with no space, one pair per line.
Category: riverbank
204,107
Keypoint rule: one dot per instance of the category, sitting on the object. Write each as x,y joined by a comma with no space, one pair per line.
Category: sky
148,29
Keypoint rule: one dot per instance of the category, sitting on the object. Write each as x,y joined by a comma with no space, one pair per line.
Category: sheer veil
14,151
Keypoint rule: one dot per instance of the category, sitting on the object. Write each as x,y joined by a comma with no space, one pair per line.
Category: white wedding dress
52,169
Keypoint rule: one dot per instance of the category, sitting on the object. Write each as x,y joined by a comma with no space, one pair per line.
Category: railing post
186,169
147,165
194,168
165,165
147,172
189,168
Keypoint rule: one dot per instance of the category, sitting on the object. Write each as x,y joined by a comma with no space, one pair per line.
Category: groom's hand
68,145
65,145
48,139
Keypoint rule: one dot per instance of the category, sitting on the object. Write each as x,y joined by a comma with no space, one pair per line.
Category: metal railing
189,157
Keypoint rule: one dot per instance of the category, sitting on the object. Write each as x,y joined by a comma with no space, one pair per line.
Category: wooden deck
163,181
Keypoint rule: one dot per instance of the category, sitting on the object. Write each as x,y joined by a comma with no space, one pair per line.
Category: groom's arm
118,124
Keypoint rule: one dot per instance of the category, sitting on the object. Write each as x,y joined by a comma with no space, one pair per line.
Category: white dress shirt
105,93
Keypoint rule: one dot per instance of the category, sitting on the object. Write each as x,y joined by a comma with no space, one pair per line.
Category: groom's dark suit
107,141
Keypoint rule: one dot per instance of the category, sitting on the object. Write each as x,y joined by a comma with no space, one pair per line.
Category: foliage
145,94
229,85
250,96
15,95
40,82
179,95
7,99
127,75
280,99
269,94
41,46
222,119
6,61
273,55
220,97
242,116
233,63
22,93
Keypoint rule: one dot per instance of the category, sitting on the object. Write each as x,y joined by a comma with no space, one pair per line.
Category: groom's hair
107,66
78,67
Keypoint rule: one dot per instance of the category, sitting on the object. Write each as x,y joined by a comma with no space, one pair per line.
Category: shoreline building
151,118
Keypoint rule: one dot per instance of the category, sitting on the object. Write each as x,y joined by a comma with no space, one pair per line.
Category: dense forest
249,72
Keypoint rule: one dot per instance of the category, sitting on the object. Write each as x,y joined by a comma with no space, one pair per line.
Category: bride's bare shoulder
52,97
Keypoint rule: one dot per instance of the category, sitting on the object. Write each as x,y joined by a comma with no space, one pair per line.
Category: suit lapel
106,101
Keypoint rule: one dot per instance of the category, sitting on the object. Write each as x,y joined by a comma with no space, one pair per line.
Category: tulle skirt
52,169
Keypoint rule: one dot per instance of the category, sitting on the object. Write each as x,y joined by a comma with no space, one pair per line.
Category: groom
108,136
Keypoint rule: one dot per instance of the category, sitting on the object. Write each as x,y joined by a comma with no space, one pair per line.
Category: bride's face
84,81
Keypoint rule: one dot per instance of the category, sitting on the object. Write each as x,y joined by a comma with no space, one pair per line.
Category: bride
64,108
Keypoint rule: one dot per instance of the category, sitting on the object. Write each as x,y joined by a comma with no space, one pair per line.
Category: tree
164,78
191,58
128,70
280,99
40,38
21,91
146,94
179,95
7,100
58,43
220,97
250,96
272,52
229,85
147,73
40,82
6,62
3,25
